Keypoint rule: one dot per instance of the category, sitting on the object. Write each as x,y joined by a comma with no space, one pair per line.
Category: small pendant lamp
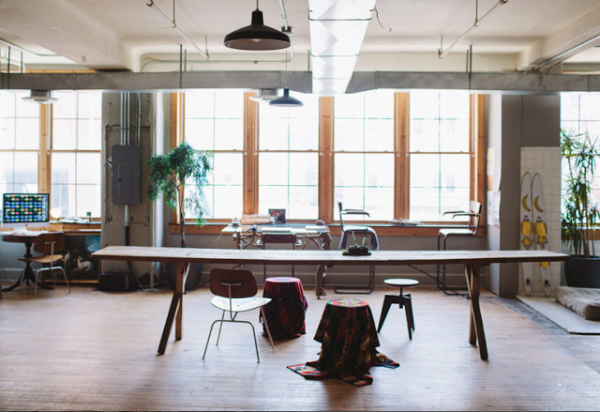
286,100
257,36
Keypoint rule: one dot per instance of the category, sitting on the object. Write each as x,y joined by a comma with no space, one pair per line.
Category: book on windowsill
405,222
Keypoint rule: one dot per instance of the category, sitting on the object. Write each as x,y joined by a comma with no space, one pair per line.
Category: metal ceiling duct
337,31
41,97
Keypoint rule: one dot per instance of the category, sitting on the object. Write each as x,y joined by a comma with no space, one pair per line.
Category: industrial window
580,113
288,158
440,154
214,121
364,153
75,160
19,143
397,155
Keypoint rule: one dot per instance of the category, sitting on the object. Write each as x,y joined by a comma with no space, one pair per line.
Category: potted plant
180,176
580,211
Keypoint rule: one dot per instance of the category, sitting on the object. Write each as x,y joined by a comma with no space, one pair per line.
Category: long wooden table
472,260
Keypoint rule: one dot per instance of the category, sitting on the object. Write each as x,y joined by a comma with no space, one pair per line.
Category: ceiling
123,35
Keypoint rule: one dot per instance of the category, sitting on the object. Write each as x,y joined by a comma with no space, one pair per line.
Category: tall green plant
171,173
580,213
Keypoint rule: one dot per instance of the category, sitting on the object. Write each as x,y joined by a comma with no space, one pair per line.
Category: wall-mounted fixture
41,97
257,36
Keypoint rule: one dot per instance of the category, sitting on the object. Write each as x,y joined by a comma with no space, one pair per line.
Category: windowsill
382,229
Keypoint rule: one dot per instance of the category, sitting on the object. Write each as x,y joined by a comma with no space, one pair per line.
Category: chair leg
253,334
408,323
387,303
209,334
66,280
410,308
36,282
267,327
220,328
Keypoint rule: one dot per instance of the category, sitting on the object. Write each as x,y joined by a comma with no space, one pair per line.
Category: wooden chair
234,291
50,245
474,214
278,238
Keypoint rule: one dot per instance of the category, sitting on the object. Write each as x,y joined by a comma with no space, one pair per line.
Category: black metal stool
403,300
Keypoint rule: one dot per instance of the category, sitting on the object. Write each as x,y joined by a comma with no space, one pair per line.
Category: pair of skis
534,232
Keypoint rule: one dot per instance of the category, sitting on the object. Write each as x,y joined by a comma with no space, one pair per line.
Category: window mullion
401,155
326,179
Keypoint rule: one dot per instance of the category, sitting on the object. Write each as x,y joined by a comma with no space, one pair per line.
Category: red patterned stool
349,342
286,312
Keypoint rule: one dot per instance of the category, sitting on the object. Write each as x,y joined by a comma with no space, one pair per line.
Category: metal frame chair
474,215
235,290
278,238
48,244
353,230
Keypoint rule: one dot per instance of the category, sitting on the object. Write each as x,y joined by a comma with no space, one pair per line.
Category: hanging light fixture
257,36
286,100
265,95
40,97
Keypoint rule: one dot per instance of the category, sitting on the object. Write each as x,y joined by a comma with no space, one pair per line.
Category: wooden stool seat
404,301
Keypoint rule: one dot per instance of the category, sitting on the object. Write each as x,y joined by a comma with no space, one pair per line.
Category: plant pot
583,272
193,279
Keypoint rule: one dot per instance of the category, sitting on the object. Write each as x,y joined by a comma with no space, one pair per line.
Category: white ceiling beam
561,41
68,31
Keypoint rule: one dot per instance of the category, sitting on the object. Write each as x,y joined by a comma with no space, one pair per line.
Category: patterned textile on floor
286,312
349,340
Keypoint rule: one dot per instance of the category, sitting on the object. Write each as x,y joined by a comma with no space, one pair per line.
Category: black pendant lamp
286,100
257,36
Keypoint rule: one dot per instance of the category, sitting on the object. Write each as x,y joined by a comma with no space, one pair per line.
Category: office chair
474,214
364,232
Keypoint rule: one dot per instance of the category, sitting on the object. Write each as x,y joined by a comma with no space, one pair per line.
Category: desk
244,237
27,238
473,260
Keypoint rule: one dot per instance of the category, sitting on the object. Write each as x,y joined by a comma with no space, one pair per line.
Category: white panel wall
547,162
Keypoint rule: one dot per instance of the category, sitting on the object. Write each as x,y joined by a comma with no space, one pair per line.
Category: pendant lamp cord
285,76
256,4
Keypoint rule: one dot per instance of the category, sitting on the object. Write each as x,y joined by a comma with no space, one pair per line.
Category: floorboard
97,351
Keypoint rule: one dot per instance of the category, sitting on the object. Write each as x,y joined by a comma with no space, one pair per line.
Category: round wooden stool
403,300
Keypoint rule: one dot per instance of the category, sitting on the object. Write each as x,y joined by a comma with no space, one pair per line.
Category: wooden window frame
45,150
326,207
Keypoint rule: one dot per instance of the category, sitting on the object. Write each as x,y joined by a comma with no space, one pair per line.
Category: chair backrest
232,283
48,243
474,207
279,238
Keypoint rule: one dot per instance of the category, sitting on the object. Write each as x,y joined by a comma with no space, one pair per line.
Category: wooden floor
97,351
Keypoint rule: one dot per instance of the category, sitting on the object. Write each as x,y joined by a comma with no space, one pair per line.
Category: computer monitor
24,210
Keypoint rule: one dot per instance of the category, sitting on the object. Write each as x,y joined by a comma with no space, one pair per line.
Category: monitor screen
21,209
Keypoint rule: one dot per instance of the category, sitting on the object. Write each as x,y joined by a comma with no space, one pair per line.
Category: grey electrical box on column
126,175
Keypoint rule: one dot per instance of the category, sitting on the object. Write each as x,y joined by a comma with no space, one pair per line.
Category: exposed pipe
139,120
283,16
441,53
174,25
566,52
218,61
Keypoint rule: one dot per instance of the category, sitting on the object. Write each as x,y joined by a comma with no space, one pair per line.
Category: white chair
235,290
50,245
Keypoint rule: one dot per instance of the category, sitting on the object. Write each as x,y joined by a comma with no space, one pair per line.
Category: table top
20,237
323,257
292,228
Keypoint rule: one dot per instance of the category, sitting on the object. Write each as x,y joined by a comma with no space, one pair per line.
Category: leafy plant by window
580,213
169,174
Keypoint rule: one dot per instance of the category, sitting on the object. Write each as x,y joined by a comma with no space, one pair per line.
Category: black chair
474,214
362,232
